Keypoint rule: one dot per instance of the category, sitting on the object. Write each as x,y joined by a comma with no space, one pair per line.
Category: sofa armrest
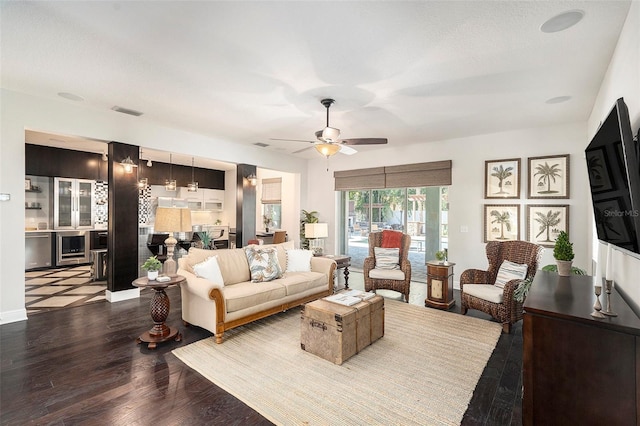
199,286
322,264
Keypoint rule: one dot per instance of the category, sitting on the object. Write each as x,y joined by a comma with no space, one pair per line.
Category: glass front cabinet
73,203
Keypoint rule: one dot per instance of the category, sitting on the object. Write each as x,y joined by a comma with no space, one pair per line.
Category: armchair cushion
210,270
386,274
391,239
488,292
510,271
387,258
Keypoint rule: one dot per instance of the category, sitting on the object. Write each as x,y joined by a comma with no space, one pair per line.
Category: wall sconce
104,156
128,165
142,183
253,180
149,163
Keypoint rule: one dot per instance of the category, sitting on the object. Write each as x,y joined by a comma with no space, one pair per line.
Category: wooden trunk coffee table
160,306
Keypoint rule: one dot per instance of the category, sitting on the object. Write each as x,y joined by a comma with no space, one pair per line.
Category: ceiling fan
328,140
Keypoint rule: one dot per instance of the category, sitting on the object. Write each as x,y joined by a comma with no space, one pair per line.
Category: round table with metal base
160,305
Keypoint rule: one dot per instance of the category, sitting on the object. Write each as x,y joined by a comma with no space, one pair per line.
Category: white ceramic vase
152,275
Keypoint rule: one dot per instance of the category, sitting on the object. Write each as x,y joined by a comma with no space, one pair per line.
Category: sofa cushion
263,263
209,270
282,252
299,260
510,271
387,258
233,263
488,292
386,274
247,294
299,282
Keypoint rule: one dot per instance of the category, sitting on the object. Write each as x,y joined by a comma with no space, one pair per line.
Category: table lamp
172,219
315,232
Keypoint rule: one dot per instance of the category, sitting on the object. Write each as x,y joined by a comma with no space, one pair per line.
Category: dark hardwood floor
81,366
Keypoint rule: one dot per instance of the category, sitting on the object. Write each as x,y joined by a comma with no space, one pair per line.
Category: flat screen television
613,164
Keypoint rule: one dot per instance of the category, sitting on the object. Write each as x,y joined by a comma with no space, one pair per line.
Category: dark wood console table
578,370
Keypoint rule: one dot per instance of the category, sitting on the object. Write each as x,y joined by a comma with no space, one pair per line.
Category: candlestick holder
597,306
608,287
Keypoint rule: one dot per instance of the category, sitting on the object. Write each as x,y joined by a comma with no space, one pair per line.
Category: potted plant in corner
563,253
152,265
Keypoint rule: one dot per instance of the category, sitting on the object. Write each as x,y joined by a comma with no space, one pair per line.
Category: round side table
160,306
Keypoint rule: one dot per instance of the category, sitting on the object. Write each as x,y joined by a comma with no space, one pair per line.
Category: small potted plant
152,265
563,253
267,221
440,256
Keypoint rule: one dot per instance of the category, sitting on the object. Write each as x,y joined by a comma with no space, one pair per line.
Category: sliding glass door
420,212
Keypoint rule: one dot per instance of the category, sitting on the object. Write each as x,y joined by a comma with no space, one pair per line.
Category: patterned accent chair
397,280
491,299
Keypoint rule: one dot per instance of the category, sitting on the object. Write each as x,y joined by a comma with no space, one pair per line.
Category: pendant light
170,184
193,186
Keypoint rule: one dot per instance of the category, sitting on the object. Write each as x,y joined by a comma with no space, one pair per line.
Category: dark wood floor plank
80,365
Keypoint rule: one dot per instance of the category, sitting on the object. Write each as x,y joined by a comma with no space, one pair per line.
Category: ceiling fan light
327,149
330,134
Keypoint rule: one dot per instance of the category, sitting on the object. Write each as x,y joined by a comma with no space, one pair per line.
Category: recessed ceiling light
70,96
562,21
127,111
558,99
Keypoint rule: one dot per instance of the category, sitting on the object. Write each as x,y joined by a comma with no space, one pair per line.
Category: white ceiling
249,71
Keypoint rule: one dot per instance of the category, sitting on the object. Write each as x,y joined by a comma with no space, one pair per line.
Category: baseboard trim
119,296
13,316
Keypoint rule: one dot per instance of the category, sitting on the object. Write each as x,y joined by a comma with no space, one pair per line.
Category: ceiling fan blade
364,141
302,150
291,140
344,149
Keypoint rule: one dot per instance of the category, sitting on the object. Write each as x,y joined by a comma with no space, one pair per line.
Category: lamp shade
172,219
316,230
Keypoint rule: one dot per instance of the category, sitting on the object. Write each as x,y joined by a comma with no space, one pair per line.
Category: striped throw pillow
387,258
510,271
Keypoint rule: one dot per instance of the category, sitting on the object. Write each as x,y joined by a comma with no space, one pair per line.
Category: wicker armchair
509,311
400,285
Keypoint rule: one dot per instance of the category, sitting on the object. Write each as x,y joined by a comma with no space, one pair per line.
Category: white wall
622,80
19,112
466,194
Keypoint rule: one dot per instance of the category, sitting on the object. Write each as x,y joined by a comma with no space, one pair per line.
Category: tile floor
61,288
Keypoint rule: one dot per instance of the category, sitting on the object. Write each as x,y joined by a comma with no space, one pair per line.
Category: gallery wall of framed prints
548,178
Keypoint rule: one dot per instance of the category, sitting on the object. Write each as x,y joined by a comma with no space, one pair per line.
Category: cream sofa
219,307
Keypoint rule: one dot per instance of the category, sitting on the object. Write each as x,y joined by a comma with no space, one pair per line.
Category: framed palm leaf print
545,222
501,222
502,178
549,177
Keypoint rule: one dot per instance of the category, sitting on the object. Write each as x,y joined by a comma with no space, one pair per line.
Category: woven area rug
423,371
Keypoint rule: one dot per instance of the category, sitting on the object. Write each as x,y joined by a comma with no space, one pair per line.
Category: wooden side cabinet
439,285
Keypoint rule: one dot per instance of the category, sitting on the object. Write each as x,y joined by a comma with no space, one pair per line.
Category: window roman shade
359,179
271,191
434,173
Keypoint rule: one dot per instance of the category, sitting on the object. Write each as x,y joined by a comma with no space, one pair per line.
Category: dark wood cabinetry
577,369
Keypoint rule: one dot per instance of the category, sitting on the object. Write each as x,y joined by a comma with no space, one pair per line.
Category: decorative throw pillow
387,258
209,270
263,263
391,239
299,260
510,271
